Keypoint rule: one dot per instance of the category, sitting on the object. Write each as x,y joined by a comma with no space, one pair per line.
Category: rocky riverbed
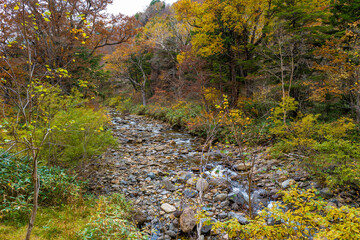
167,178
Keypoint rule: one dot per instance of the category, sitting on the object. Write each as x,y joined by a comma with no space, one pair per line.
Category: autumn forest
201,119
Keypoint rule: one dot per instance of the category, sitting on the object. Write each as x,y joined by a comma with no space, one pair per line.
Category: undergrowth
65,212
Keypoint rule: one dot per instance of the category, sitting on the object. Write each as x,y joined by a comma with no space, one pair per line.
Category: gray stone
237,198
168,185
287,183
207,225
151,175
220,197
326,193
190,193
242,220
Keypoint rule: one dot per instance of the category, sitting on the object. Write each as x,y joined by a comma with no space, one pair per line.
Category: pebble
168,208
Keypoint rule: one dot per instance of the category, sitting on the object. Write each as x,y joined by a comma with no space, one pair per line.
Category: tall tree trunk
143,94
357,108
234,85
35,179
282,79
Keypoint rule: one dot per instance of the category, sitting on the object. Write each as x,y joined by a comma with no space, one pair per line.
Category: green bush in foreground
300,216
16,189
78,134
111,220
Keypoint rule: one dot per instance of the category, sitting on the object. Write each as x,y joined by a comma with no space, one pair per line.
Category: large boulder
237,198
202,185
187,220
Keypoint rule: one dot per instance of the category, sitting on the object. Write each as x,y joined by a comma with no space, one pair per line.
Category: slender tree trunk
35,179
234,87
282,79
143,94
357,108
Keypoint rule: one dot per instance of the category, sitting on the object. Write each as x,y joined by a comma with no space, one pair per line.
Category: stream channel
158,170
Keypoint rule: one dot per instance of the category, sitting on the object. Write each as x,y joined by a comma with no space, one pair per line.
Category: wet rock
168,208
187,220
242,220
287,183
237,198
202,185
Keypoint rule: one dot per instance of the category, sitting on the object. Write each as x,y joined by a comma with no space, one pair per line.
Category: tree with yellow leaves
227,30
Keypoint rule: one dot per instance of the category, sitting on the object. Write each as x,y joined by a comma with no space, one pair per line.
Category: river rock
240,166
168,185
242,220
192,181
326,193
184,176
187,220
139,217
202,185
287,183
171,233
207,225
220,197
237,198
190,193
168,208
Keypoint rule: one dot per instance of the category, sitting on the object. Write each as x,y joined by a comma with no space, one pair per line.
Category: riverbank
163,172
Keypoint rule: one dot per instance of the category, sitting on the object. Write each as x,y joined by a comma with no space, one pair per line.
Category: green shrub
16,189
338,162
331,155
111,221
78,134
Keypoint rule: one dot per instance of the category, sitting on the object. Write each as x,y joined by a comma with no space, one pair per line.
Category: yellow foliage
211,17
300,216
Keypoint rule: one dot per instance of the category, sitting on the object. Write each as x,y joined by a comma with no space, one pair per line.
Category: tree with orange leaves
59,31
131,62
